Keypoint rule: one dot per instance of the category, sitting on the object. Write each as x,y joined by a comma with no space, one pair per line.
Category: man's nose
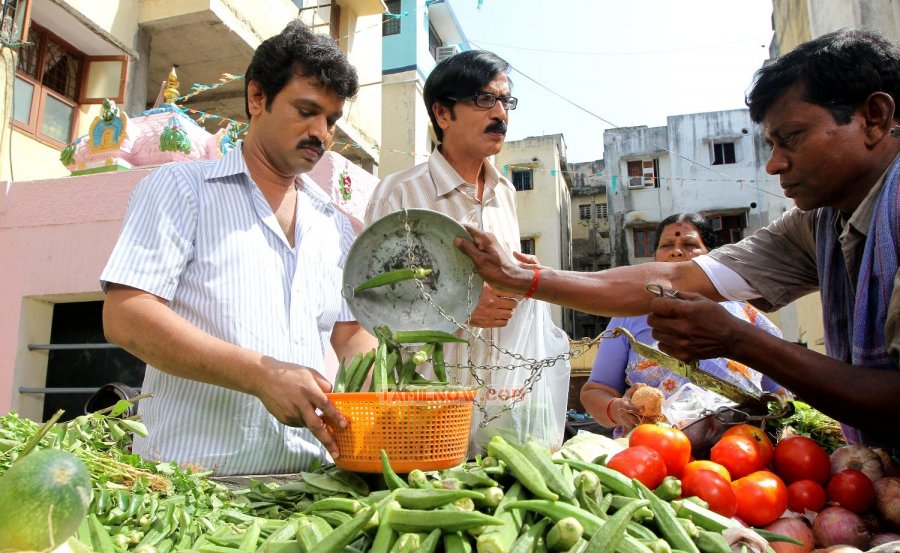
778,162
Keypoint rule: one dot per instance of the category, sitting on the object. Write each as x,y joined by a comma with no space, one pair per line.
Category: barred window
391,25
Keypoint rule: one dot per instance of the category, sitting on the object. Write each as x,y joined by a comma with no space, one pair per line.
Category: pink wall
55,238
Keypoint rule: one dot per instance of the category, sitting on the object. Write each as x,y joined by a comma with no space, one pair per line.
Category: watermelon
44,496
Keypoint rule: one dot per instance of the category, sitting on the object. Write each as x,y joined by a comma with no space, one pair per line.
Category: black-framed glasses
486,100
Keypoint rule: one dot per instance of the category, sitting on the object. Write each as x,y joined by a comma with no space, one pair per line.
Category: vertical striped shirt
436,185
202,236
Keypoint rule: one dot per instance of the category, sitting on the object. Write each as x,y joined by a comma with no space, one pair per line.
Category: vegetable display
519,498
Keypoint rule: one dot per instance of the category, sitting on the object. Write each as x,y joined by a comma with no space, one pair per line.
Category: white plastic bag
691,402
541,414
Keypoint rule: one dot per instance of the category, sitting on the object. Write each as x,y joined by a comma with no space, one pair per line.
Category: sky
582,66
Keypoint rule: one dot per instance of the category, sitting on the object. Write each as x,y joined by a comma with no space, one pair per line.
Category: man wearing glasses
468,98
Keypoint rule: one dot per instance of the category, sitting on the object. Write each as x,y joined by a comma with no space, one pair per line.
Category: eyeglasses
486,100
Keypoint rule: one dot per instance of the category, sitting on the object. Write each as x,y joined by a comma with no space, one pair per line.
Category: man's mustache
312,143
496,126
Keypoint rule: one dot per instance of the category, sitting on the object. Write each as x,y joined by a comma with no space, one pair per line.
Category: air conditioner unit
444,52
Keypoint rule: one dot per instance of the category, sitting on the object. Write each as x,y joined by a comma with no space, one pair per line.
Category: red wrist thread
534,283
608,407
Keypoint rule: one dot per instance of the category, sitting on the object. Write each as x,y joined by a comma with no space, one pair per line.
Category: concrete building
413,43
797,21
56,232
590,236
713,163
537,168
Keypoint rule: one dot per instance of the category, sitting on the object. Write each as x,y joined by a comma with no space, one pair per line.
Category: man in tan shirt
468,99
829,114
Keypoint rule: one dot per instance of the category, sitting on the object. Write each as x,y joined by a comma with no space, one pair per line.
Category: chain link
534,366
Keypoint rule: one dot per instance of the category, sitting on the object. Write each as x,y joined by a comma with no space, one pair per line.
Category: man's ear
256,98
442,114
878,111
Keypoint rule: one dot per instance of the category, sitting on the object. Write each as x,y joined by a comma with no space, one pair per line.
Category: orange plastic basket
418,430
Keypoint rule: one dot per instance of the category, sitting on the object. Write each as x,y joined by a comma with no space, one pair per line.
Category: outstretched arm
146,327
614,292
692,327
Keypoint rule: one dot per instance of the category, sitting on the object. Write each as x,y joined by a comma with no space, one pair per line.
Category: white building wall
689,182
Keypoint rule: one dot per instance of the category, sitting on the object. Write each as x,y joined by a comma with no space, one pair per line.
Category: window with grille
522,180
46,87
643,173
527,245
602,211
13,20
391,25
434,41
584,212
723,153
644,238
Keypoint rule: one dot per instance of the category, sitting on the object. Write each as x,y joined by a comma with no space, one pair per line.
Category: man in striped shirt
226,278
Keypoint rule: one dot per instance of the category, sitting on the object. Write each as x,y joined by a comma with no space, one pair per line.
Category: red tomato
640,462
761,497
706,465
801,458
766,449
806,495
712,488
852,490
738,454
671,444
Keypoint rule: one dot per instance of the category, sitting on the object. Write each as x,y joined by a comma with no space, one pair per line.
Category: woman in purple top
618,371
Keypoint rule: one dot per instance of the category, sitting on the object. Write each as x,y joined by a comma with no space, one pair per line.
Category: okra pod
524,471
359,375
669,489
437,363
424,354
540,458
666,520
712,542
391,277
492,497
379,369
409,520
429,544
608,538
526,543
251,537
342,504
456,543
564,534
344,534
499,539
414,498
425,336
342,378
418,479
385,536
390,477
702,517
612,479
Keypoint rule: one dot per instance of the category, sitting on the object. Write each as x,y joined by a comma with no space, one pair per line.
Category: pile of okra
517,499
392,365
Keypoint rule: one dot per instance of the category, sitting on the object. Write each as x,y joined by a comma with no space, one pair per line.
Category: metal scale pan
427,236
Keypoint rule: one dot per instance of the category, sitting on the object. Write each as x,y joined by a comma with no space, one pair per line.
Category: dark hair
838,70
701,223
461,75
298,51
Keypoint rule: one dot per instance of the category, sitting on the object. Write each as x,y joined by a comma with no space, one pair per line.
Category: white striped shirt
436,185
203,237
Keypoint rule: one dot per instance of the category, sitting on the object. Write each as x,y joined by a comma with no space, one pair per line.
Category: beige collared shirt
779,261
436,185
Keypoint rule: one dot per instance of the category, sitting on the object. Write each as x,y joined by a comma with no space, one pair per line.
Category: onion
887,498
891,468
792,527
883,538
857,457
838,526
